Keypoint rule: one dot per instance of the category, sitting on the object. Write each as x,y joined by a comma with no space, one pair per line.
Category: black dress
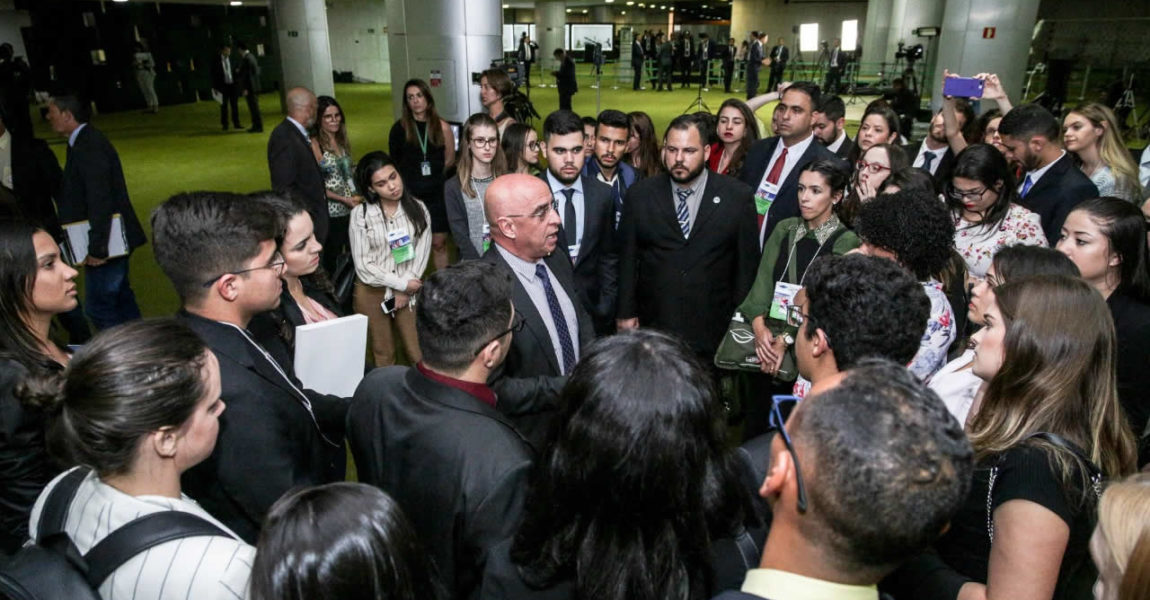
1132,326
409,157
963,554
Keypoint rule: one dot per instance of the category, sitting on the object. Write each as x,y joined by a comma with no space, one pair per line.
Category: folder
76,245
329,355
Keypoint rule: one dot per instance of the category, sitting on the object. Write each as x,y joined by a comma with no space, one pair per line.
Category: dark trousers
755,391
337,241
752,80
665,76
253,100
638,76
776,78
834,77
728,74
108,295
230,100
686,81
704,73
565,100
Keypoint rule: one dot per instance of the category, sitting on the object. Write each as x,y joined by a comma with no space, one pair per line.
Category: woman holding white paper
390,245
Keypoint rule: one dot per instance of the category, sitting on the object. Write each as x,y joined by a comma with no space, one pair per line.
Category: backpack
53,568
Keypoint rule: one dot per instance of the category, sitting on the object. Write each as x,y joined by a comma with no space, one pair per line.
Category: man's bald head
301,105
519,211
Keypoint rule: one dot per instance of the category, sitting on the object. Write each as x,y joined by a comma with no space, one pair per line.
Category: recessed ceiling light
584,11
506,6
236,3
568,10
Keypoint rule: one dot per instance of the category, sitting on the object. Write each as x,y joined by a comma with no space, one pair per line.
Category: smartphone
388,306
962,87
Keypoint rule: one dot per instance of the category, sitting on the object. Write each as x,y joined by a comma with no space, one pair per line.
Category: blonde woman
1121,542
1092,134
481,160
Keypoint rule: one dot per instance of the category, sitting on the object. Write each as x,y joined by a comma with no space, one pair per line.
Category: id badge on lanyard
784,297
400,244
486,237
765,197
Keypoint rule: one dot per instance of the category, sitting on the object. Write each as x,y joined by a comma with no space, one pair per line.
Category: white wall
777,17
359,38
11,20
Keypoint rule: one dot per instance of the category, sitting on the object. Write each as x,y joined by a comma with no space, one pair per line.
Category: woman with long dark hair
137,407
332,150
879,125
521,148
35,284
1105,237
390,246
423,146
643,145
871,171
481,160
982,199
636,490
370,550
736,130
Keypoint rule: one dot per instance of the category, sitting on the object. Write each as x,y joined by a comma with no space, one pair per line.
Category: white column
876,31
550,25
305,52
905,17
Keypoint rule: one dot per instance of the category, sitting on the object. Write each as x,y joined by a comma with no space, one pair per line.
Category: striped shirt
374,264
199,568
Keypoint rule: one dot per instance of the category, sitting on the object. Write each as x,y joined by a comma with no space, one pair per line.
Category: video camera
909,53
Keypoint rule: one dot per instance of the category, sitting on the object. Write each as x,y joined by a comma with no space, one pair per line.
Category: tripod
697,104
852,83
1127,101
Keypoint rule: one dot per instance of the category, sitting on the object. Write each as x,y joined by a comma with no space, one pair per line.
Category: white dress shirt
920,159
838,143
1037,174
1144,168
525,271
561,199
6,159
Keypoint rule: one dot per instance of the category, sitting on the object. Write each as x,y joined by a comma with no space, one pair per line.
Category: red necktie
773,177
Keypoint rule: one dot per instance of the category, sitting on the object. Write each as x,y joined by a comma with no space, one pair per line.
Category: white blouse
978,243
371,253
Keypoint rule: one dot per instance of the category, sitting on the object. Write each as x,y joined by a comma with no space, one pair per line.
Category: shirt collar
556,185
838,143
1037,174
5,139
75,132
800,147
300,127
696,187
781,585
479,391
520,266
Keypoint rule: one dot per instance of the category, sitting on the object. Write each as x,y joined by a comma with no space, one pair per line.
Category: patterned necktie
565,345
1026,186
683,214
570,227
927,159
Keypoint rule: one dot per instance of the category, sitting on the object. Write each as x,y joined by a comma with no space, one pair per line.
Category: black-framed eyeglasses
517,322
276,263
778,420
958,194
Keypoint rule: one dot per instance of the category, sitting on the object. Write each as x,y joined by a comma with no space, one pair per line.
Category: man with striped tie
688,246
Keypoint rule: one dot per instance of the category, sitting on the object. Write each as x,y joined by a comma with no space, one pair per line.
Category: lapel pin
715,199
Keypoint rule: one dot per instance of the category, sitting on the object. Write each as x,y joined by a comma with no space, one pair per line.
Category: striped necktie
682,213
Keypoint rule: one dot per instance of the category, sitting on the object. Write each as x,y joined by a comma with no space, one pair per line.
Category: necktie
569,224
682,213
773,177
565,345
927,158
1026,186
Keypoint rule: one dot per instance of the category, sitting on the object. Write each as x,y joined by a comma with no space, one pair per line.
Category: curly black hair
914,226
867,306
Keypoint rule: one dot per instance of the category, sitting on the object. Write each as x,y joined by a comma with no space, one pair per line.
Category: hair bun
43,392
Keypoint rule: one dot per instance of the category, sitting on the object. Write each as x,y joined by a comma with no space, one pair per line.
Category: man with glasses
587,233
612,129
470,496
219,251
853,498
525,231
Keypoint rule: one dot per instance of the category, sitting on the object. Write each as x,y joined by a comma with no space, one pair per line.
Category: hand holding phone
388,306
963,87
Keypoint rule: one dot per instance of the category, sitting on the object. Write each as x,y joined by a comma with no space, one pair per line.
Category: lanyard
790,255
422,139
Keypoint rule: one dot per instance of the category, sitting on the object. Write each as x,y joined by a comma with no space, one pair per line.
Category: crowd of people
562,426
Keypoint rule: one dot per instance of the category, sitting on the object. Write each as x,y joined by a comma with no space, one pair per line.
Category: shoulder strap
140,535
55,510
748,549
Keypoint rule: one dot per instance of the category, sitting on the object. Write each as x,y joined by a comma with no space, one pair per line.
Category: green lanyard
422,140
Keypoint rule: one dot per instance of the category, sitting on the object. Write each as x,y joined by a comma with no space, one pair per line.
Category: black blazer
787,201
280,323
597,266
529,381
566,77
636,55
945,170
247,75
293,167
268,442
1061,188
779,57
469,497
1132,328
25,467
845,149
36,177
218,82
93,189
689,287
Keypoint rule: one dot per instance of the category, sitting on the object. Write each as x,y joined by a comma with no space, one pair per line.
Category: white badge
784,297
400,244
765,197
425,168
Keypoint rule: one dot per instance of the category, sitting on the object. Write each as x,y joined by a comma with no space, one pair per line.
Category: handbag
736,351
343,279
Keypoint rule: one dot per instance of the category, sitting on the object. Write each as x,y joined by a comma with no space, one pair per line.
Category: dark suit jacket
36,177
247,75
268,442
636,55
281,322
688,287
944,171
566,77
218,82
787,201
597,266
93,189
1061,188
779,57
293,167
456,466
529,381
25,467
845,149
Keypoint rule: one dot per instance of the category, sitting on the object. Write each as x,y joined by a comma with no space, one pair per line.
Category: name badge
573,251
400,244
784,297
425,168
765,197
486,238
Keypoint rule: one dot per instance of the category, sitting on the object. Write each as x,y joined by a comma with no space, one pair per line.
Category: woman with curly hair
915,231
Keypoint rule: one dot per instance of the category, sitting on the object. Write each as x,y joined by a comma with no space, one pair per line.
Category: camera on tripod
909,53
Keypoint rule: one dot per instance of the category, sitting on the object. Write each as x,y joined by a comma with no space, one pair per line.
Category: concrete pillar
550,25
305,52
601,14
963,49
905,17
876,30
444,42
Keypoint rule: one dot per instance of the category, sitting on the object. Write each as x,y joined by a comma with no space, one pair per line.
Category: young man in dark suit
637,58
755,60
688,254
469,498
219,251
587,211
728,55
666,60
1052,185
525,230
780,54
773,165
224,82
847,499
933,154
291,161
93,189
829,122
248,83
565,78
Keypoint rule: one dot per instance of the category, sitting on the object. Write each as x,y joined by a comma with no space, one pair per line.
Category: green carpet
183,149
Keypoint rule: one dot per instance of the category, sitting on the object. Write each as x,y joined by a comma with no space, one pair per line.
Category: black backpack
54,569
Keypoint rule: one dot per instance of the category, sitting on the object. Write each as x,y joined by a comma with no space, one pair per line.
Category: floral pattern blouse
337,177
978,243
940,333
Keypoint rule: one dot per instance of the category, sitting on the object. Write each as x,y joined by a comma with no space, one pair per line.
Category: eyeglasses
533,145
485,142
276,264
778,423
870,167
795,316
517,322
958,194
538,214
